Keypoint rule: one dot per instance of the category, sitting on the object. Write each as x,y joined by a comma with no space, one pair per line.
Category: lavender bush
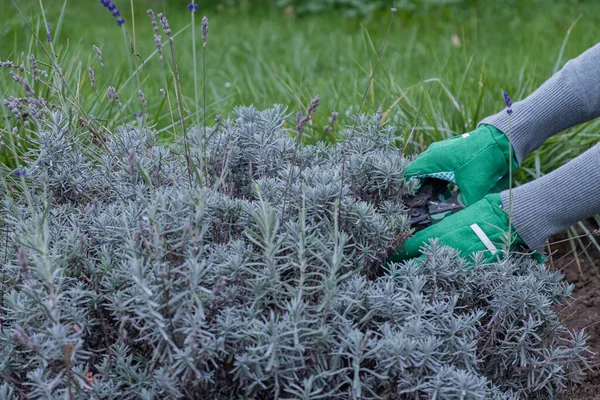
128,276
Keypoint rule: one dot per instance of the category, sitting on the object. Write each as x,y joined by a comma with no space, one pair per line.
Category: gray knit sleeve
554,202
569,97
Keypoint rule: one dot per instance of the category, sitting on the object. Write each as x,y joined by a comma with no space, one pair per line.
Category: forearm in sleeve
568,98
554,202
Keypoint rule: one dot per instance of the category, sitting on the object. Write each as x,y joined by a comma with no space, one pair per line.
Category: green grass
263,56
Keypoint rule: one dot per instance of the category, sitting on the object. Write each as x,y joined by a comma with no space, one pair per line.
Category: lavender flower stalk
48,36
158,45
92,76
35,69
99,53
152,18
166,28
112,95
331,120
157,38
299,118
204,29
379,114
302,121
24,83
19,173
333,117
115,12
14,106
142,98
508,103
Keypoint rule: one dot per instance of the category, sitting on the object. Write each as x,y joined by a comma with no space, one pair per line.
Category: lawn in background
444,68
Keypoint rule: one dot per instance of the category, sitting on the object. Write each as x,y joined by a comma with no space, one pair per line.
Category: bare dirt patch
583,313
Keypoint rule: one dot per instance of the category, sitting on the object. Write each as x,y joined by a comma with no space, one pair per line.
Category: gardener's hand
480,227
477,162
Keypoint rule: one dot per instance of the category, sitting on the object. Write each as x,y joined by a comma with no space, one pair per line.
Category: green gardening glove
477,162
481,227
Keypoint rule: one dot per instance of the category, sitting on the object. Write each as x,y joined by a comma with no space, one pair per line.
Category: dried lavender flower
99,53
165,24
24,83
312,108
158,45
48,36
92,76
142,98
35,69
152,18
204,29
14,106
7,64
333,117
299,121
112,95
163,93
331,120
23,107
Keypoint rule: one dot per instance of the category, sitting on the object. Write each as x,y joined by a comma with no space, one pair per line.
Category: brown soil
583,312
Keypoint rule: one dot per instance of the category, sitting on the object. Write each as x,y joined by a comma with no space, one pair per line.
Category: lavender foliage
123,281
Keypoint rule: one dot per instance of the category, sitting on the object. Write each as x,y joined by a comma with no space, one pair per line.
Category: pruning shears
433,202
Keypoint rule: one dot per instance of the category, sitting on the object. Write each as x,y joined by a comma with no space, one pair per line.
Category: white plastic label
484,238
